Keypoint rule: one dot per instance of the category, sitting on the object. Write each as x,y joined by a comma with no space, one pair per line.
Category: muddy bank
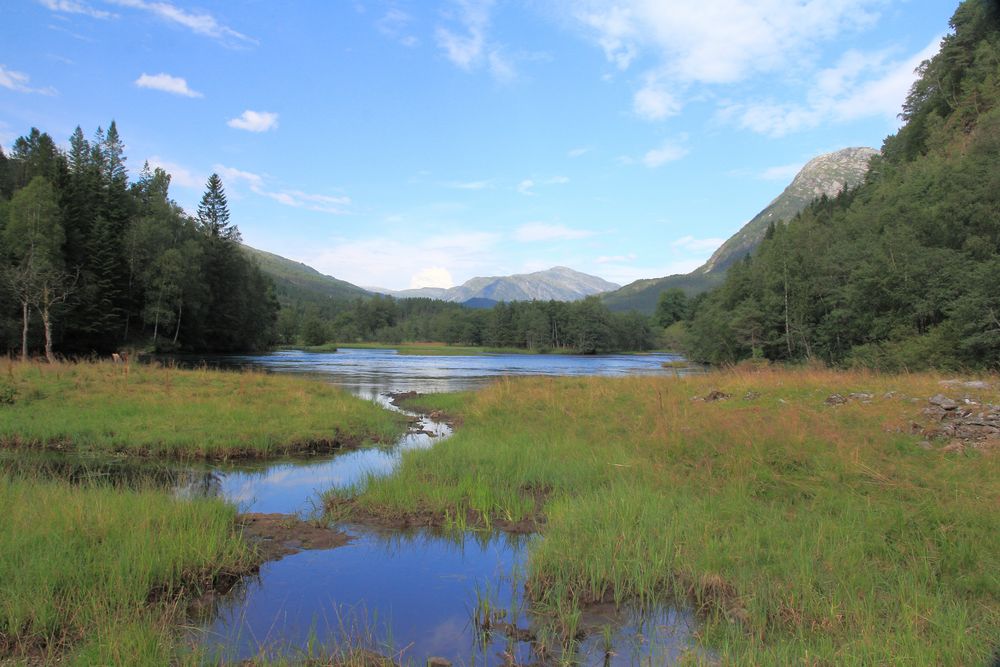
410,400
318,446
352,509
278,535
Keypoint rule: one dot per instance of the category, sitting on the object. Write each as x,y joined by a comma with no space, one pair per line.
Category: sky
401,144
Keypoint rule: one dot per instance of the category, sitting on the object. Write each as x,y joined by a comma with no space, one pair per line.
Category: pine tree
213,212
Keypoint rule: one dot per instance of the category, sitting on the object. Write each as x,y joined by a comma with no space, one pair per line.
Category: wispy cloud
174,85
76,7
466,42
527,186
18,81
653,101
322,203
667,152
539,231
394,262
254,121
578,152
198,22
859,85
395,24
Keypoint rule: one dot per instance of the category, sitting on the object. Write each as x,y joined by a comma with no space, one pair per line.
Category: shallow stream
406,594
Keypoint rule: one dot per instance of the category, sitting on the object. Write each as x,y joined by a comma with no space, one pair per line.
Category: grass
184,414
95,575
801,532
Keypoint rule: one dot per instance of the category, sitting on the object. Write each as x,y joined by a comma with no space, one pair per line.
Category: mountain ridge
823,175
559,283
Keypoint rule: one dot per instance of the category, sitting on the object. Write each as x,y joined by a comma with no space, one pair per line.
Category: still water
406,594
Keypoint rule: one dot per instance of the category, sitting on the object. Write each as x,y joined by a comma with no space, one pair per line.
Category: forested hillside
91,262
904,270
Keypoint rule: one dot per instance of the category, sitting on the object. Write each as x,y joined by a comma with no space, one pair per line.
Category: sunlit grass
95,575
189,414
800,531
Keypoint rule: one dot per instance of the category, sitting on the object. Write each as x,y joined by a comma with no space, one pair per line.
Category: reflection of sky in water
419,590
369,372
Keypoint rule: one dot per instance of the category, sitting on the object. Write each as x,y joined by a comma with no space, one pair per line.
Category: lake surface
367,372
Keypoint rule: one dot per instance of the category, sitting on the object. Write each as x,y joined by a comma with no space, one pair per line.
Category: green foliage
901,272
130,267
672,307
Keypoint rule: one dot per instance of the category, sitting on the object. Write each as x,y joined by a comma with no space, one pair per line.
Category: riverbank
839,516
436,349
91,574
168,412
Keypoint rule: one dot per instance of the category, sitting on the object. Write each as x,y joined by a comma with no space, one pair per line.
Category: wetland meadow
363,507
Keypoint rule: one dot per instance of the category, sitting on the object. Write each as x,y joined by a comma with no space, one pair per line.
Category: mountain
824,175
558,284
297,282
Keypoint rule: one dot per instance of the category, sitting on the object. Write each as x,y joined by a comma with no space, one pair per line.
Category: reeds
800,531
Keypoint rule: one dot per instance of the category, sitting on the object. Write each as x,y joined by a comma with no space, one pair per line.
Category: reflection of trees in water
198,484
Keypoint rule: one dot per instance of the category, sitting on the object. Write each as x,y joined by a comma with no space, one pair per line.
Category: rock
438,662
954,446
835,399
890,394
861,396
716,395
751,396
925,444
942,402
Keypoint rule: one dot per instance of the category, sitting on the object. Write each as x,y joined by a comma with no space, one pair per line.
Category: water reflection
369,372
414,595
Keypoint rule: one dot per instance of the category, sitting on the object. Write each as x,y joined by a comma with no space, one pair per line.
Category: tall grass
187,414
802,532
95,575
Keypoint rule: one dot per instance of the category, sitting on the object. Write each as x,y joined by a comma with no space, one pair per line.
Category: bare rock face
824,175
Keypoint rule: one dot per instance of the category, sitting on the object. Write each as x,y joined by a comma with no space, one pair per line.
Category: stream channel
409,595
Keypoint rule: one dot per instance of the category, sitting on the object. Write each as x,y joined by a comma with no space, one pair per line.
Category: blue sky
403,144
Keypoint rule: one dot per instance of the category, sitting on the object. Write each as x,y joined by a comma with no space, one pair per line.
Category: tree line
92,262
585,327
903,271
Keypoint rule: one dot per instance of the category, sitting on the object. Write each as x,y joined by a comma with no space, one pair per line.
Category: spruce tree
213,212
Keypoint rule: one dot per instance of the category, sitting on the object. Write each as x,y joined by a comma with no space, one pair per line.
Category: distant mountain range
558,283
825,175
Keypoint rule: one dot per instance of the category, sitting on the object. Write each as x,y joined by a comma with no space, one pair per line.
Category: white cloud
539,231
168,84
254,121
527,186
578,152
690,244
860,85
179,175
18,81
76,7
392,261
201,23
395,24
668,152
334,204
432,276
717,41
467,44
654,102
